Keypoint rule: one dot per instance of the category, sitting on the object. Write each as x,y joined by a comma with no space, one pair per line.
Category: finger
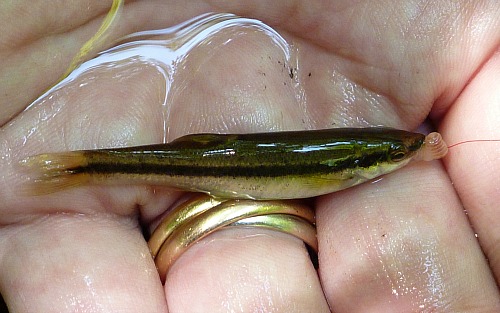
44,38
242,85
78,263
245,270
123,113
88,112
474,167
33,37
385,65
240,269
81,264
402,244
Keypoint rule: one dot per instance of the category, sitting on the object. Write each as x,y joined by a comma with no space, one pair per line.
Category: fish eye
397,154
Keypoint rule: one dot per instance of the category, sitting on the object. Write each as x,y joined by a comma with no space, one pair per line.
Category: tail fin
49,173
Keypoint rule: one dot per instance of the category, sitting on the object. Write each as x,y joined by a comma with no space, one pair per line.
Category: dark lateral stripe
231,171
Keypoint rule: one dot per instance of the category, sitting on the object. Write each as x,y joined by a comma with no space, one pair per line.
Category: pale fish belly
241,187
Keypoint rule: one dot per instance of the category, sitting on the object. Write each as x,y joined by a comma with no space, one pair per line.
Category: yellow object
202,215
96,42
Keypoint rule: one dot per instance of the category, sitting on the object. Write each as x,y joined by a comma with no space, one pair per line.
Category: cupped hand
401,244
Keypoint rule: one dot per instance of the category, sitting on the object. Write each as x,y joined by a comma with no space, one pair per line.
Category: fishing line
472,141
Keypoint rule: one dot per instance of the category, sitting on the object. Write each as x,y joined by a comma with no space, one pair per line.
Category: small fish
276,165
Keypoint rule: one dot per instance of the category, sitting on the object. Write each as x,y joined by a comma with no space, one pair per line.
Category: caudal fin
52,172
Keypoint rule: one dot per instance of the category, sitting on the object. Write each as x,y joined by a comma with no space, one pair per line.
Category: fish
258,166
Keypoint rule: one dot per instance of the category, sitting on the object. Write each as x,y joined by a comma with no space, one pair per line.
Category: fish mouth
414,143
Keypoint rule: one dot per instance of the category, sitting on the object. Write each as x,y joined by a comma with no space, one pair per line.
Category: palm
368,65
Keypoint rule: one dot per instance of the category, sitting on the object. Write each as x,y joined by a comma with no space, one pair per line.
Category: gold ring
202,215
176,217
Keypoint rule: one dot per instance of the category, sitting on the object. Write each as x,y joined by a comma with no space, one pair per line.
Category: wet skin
402,244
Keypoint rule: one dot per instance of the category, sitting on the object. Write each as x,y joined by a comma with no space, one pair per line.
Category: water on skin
206,48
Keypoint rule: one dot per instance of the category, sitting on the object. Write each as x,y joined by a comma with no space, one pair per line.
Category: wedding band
176,217
202,215
285,223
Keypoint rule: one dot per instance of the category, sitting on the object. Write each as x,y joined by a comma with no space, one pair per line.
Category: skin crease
402,244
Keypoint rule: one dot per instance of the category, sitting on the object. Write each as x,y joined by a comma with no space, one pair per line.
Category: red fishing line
472,141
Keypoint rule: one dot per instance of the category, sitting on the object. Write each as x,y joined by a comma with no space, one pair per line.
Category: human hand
402,244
